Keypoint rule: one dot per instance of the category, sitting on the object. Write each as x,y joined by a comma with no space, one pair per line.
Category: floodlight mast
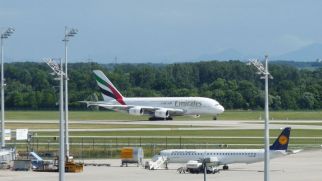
4,35
264,71
68,33
58,71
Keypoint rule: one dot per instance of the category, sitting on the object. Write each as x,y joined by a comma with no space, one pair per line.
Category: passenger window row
239,153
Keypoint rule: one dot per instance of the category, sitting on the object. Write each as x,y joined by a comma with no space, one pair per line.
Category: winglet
281,143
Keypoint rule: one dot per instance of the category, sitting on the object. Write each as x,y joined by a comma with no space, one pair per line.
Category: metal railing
109,146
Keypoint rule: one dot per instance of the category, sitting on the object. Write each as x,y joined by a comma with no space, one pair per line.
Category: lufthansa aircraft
156,107
228,156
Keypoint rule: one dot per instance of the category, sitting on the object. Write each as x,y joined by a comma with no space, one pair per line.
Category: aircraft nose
221,109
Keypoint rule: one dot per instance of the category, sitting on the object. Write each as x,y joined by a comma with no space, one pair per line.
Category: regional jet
224,157
158,108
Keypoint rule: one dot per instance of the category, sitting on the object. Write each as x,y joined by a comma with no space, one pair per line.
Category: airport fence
85,147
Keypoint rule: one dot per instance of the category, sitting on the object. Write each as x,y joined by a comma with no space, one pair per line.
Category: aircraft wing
107,106
146,109
294,151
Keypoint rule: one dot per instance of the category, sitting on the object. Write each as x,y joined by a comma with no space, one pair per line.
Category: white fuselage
189,105
224,156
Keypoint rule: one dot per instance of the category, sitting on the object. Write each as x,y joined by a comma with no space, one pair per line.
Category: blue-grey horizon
160,31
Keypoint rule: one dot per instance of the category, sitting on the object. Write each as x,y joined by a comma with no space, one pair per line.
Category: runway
180,125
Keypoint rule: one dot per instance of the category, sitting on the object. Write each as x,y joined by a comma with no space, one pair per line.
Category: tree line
30,86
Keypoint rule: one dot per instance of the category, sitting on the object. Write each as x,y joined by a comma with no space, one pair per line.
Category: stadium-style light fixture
4,35
263,70
68,33
60,76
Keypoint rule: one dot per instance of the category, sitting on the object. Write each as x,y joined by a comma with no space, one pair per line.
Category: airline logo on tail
283,140
108,90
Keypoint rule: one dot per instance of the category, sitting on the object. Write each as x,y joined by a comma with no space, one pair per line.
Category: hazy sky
158,31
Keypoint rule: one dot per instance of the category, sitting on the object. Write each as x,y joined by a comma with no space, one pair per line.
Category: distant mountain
301,65
308,53
227,54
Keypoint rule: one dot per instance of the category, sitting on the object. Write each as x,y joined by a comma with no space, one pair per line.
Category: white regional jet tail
108,90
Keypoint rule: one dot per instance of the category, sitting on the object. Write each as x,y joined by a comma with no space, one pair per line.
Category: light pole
5,34
58,71
264,71
204,164
68,33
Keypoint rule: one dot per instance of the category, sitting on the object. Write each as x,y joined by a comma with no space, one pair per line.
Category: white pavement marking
194,125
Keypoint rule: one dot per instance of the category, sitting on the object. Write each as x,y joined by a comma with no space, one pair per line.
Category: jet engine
136,111
161,113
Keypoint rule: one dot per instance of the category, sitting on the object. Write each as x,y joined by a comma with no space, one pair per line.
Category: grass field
91,145
107,115
174,132
316,124
100,144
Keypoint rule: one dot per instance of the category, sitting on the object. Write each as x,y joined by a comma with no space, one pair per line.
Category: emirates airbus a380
159,108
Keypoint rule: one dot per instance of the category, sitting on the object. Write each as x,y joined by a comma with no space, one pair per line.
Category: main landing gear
159,119
225,167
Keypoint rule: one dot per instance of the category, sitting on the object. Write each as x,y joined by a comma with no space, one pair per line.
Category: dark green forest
30,86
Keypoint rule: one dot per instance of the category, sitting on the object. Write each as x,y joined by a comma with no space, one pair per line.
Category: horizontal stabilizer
294,151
